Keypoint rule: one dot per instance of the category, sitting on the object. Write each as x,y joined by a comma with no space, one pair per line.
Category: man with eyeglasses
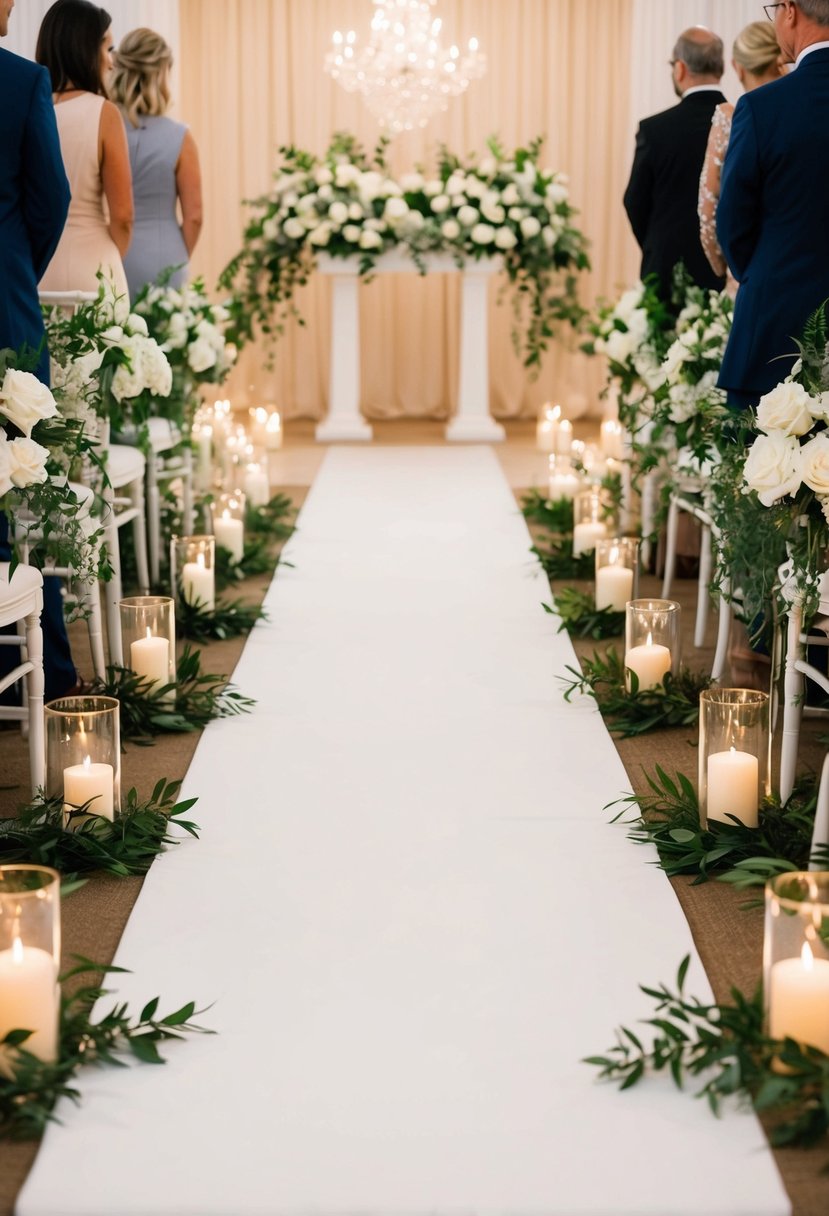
773,213
661,196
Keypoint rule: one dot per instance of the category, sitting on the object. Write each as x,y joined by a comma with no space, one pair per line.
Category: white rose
290,199
619,346
483,234
439,204
772,467
325,193
137,325
351,232
369,239
510,196
786,408
458,200
431,188
176,332
27,463
323,176
310,220
556,193
338,213
468,216
495,214
451,229
355,211
396,208
345,175
505,238
201,355
455,184
390,188
321,235
25,401
488,166
411,182
270,229
530,227
412,222
548,236
814,463
294,229
518,214
369,185
307,203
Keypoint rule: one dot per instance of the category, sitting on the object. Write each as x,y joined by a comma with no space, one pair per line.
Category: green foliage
556,515
581,618
28,1098
635,712
89,842
668,817
726,1048
194,700
273,520
229,619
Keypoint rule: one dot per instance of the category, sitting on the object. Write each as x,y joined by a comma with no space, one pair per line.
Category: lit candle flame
149,632
807,958
200,560
17,951
650,639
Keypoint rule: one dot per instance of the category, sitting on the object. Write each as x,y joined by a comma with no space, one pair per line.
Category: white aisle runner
408,907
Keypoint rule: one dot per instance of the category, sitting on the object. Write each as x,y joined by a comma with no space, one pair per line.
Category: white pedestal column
472,422
344,420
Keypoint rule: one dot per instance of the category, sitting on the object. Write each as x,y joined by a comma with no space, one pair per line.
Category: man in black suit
661,196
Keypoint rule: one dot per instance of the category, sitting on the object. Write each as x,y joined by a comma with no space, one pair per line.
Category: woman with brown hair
164,162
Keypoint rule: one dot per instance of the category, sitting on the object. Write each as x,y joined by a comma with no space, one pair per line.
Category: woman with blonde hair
756,60
164,161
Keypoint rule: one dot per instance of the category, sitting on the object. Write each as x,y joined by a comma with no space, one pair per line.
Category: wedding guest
34,198
74,43
773,214
661,195
164,162
756,60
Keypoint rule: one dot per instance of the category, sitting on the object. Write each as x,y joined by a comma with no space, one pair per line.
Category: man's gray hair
703,56
817,10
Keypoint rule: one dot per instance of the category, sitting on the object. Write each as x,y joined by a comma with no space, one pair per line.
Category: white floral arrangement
352,207
24,402
792,449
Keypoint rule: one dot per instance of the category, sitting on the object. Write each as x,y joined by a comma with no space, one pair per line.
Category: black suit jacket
661,196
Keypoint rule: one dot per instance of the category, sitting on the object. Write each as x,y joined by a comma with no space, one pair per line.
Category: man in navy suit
773,213
34,199
661,196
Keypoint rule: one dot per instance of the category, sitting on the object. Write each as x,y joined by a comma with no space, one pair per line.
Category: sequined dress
709,192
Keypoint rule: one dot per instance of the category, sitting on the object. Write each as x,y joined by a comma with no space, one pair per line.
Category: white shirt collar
807,50
702,88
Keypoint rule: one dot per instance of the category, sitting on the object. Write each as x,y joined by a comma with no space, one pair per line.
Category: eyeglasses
768,9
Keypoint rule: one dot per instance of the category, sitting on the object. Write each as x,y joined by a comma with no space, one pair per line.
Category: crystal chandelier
404,72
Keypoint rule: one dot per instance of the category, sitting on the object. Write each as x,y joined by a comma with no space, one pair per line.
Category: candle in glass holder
733,787
586,534
273,432
29,1000
564,481
150,658
230,535
198,584
547,428
614,586
88,782
257,486
611,439
650,662
564,437
798,999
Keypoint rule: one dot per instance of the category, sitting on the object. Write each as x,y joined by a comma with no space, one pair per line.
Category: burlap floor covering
729,938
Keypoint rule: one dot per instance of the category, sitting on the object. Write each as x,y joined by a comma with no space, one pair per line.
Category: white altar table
472,422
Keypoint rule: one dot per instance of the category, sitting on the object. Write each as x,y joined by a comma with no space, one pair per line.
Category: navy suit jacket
773,222
34,198
661,195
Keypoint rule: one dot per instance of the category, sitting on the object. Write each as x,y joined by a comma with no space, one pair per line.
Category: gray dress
157,243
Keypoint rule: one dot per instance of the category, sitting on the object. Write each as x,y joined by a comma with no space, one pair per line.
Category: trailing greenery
581,618
636,712
257,558
559,562
556,515
273,519
89,842
229,619
28,1098
668,817
725,1047
148,709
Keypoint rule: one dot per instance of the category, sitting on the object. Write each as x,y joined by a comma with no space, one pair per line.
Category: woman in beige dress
756,60
75,45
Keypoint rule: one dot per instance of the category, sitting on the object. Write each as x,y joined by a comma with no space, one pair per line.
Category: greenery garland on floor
88,843
581,618
668,817
29,1096
228,619
148,709
725,1046
636,712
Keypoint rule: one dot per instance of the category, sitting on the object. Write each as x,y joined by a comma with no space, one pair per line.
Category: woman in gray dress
165,164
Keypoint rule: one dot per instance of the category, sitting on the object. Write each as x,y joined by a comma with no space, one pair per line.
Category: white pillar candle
650,662
198,585
586,534
564,437
614,587
799,1000
92,783
611,439
564,485
150,658
733,787
230,534
29,1000
273,433
257,486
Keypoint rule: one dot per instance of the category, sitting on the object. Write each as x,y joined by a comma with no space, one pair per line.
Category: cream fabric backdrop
252,79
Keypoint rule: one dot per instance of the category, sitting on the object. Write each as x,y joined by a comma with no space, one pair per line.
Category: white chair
21,603
123,498
169,459
796,670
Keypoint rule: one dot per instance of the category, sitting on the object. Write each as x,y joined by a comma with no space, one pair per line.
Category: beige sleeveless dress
86,244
